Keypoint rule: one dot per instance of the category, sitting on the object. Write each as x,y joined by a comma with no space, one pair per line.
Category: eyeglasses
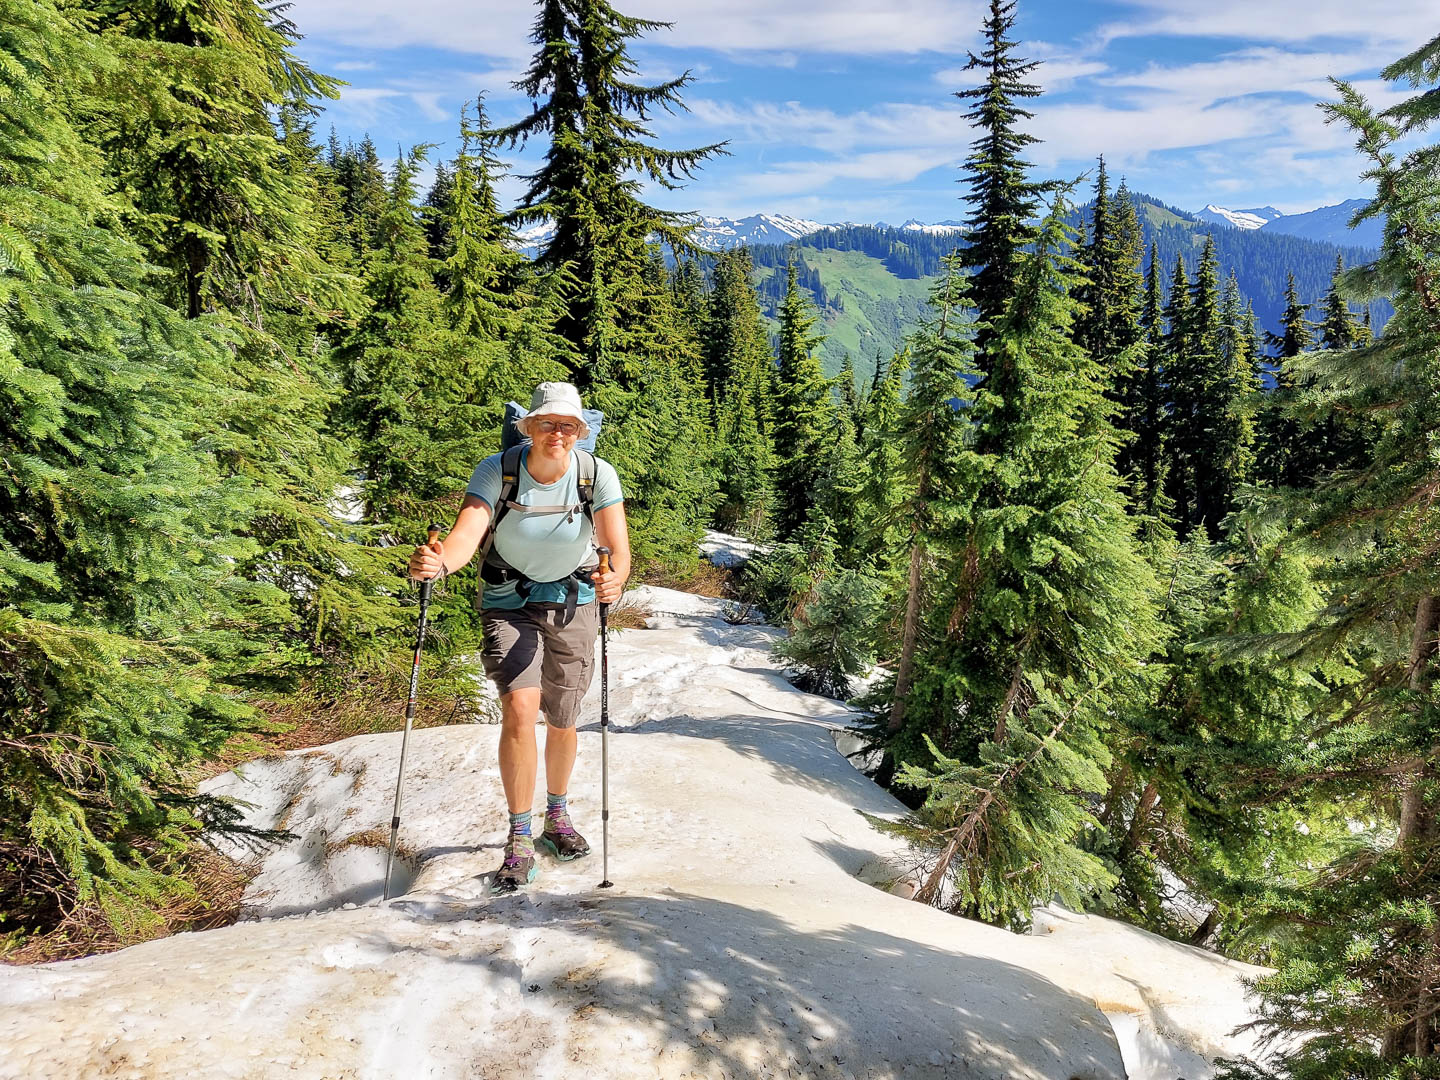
566,427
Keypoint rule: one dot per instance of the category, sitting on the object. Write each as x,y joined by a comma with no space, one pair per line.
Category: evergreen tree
1148,454
362,184
1364,961
390,363
1003,201
1339,329
595,118
193,145
124,629
1108,324
1045,614
503,314
1289,450
437,199
839,482
881,536
932,434
1240,387
692,304
1185,388
1219,439
832,635
1212,726
739,371
803,411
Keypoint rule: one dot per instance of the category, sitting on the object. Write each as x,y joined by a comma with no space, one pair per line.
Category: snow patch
743,936
728,551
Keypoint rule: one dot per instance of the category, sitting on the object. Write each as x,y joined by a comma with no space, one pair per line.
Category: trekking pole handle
431,535
604,568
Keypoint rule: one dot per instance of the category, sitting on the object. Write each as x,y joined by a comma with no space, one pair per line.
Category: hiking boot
561,839
519,867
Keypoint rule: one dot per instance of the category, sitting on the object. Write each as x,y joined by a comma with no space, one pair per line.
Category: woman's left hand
608,586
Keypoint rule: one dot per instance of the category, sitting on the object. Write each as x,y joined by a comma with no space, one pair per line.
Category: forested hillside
868,302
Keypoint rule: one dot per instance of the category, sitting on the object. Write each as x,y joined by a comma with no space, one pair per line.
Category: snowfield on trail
748,933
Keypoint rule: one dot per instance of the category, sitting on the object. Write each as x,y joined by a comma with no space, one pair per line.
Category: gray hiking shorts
534,646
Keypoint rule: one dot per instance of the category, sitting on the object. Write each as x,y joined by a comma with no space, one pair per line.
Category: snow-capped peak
1241,219
933,228
718,233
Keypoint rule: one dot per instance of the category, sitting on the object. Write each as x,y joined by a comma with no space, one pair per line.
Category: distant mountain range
721,234
1328,224
871,281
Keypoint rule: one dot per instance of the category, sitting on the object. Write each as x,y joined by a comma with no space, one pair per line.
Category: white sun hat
557,399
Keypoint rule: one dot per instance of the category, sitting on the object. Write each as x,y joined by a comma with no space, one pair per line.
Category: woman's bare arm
459,547
612,531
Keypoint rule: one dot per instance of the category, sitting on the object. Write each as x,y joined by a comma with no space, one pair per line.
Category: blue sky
841,110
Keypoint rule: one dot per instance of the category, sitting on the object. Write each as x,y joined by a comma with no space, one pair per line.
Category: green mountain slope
866,310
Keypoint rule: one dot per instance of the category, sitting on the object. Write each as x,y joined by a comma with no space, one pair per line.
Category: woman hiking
539,603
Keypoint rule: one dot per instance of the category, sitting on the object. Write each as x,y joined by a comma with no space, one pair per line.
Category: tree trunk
1417,828
1206,928
1118,783
1148,798
907,642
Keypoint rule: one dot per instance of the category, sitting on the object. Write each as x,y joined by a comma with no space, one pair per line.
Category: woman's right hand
426,561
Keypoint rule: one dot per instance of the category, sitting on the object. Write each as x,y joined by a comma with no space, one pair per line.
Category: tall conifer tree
1361,976
125,631
1037,626
1002,199
740,370
1184,388
804,415
1288,454
617,310
932,435
1149,452
595,119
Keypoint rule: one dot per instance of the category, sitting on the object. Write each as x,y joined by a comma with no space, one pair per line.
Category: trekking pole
606,883
425,587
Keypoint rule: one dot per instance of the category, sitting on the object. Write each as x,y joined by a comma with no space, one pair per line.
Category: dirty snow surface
722,549
748,932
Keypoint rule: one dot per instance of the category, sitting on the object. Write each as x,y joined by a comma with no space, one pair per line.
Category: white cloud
1398,24
1253,71
885,126
501,28
1059,69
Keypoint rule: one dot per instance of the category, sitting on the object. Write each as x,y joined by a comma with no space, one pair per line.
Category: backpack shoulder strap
585,481
509,485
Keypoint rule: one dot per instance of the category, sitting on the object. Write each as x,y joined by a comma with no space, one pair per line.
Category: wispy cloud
1392,23
501,28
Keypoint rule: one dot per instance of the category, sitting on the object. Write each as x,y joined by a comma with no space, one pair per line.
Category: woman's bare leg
560,746
519,710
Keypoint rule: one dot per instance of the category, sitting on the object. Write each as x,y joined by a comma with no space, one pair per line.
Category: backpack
494,570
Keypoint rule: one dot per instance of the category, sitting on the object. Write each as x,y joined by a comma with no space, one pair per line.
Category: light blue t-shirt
546,548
